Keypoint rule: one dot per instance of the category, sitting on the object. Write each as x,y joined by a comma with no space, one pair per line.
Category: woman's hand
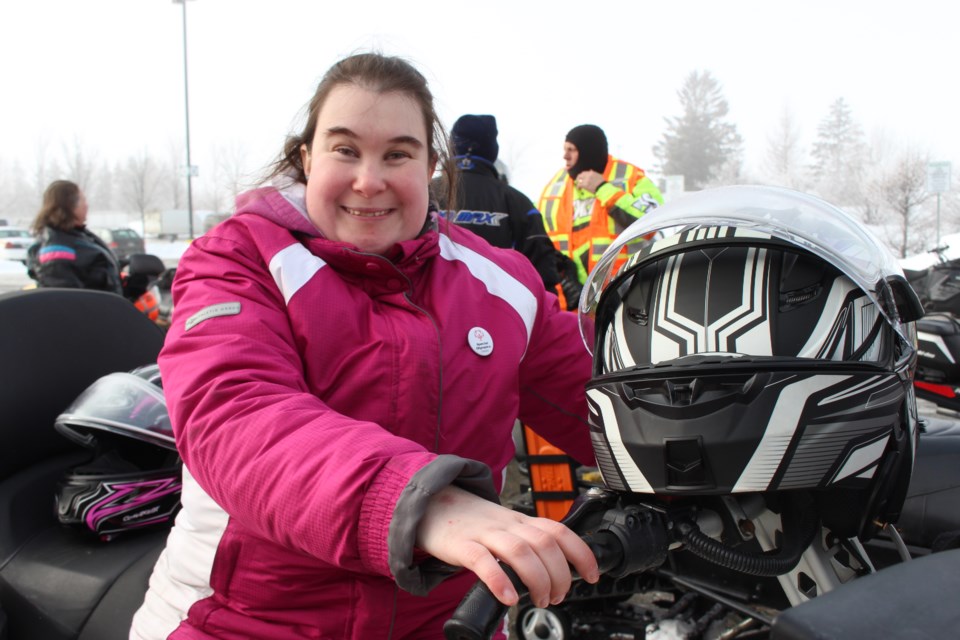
465,530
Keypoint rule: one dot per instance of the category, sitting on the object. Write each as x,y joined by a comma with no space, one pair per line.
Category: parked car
123,242
14,242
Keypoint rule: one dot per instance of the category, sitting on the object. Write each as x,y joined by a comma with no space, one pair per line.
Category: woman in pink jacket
343,373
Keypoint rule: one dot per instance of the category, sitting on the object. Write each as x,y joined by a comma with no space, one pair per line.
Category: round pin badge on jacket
480,341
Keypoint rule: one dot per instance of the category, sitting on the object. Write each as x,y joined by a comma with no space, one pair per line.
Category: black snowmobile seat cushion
55,343
932,507
939,324
915,599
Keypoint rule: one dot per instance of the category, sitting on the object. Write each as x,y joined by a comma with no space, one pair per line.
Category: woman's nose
369,179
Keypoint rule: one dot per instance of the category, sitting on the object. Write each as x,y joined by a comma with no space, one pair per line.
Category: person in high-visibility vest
592,199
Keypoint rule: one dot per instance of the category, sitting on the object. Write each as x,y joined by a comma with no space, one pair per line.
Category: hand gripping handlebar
624,540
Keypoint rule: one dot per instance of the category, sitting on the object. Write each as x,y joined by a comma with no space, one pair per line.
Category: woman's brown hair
380,74
60,200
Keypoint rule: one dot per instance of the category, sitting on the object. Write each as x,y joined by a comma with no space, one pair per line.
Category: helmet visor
800,219
119,403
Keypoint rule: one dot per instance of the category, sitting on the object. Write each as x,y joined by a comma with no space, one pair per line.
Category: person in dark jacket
67,254
490,207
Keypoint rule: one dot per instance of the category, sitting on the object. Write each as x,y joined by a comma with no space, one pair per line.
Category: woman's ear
305,158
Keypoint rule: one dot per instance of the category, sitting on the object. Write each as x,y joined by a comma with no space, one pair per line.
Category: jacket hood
284,203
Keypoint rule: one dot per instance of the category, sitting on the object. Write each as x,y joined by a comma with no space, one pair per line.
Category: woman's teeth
366,214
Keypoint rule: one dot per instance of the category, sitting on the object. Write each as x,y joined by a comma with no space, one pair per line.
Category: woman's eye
347,151
397,155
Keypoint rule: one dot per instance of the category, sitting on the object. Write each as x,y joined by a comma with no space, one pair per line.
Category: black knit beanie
591,144
476,136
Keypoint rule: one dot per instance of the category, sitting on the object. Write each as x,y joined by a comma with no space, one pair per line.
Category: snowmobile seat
912,275
938,337
932,507
940,324
912,597
56,343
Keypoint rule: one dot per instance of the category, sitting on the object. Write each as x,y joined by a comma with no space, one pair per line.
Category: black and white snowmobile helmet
133,479
763,341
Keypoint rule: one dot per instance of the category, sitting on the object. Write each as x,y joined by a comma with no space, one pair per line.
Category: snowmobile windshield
761,212
122,404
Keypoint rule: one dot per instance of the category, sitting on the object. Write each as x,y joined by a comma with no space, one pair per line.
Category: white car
14,242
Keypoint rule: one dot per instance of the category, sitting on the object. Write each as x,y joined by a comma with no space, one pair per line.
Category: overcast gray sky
109,73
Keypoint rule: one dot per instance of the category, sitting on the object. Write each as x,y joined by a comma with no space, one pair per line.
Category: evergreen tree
700,144
839,156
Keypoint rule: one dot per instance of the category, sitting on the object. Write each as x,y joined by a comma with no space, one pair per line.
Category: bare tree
210,193
45,168
904,190
231,161
138,183
784,155
174,176
879,160
80,164
12,195
950,208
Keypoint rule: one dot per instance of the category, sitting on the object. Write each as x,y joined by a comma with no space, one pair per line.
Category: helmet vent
638,316
799,297
682,394
685,464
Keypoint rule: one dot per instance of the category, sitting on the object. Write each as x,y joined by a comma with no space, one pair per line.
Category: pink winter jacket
319,396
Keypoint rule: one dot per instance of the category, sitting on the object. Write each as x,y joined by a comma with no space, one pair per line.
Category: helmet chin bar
757,426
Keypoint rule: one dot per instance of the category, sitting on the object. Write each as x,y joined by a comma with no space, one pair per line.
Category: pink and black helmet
132,480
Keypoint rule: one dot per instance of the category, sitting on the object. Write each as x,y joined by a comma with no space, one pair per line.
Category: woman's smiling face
368,168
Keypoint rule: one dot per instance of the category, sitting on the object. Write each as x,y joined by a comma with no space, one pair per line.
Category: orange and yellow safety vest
578,221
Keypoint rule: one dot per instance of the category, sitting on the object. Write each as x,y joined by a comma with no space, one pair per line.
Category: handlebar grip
479,613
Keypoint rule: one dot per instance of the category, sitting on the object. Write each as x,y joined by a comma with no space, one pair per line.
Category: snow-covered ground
166,250
951,245
11,266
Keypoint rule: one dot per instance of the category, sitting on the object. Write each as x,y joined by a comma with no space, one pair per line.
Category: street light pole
186,103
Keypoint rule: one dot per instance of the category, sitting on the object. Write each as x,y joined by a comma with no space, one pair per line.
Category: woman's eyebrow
341,131
406,140
345,131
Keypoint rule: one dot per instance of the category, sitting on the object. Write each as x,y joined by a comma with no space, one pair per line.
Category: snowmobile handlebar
624,540
634,537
